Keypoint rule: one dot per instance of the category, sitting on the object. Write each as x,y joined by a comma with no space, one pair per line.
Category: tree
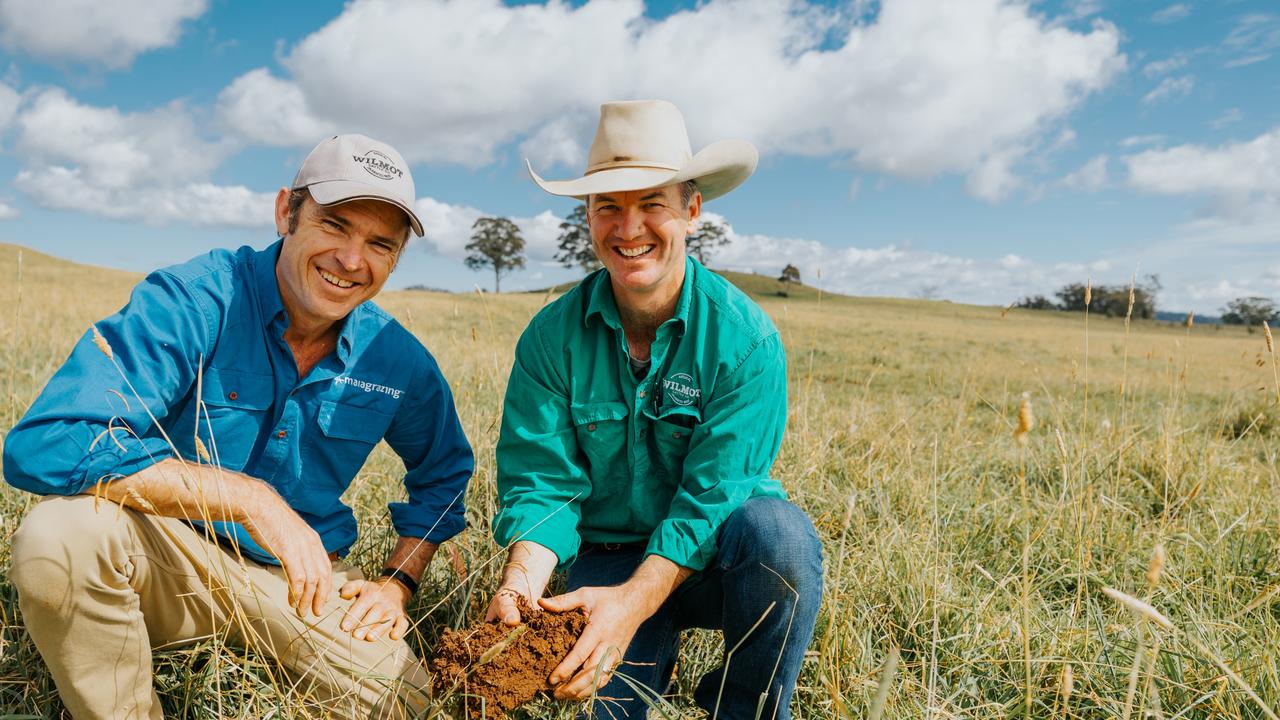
1036,302
709,237
576,249
790,274
1252,310
1113,300
495,243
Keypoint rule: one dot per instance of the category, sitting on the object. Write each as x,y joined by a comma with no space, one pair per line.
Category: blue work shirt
201,352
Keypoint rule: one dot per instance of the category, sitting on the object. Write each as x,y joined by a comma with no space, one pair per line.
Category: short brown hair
297,197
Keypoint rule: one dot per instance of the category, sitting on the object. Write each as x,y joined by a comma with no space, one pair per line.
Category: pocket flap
595,412
347,422
234,388
683,415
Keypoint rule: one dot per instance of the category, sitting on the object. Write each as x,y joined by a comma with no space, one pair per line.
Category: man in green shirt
644,411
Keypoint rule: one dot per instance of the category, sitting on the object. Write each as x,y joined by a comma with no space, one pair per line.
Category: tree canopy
575,249
495,243
1252,310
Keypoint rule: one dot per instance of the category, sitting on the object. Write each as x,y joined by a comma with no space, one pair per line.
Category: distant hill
1178,317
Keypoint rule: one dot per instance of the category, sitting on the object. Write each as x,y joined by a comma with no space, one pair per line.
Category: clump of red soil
492,668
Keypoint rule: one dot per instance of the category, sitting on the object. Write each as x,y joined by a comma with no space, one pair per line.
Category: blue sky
974,150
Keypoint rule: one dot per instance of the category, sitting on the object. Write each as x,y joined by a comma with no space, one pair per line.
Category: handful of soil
494,668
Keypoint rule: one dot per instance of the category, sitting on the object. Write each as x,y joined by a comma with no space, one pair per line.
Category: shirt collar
267,284
272,306
600,300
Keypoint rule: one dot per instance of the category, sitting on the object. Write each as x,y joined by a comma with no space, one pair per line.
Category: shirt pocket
236,404
332,458
602,439
670,435
340,421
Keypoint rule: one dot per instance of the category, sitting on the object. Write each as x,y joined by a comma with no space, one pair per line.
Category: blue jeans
763,543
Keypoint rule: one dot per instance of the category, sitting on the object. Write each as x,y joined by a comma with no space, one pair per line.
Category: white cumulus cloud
895,91
8,212
149,166
92,31
1251,166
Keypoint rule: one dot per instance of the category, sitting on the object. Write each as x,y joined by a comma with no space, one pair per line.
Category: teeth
335,280
635,252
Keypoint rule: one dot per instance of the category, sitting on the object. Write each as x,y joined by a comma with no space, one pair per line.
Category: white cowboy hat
642,144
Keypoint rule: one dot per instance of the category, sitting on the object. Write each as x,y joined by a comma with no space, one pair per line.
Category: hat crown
357,158
640,134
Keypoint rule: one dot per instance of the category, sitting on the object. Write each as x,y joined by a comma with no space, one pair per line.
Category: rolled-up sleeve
427,434
101,418
541,482
731,452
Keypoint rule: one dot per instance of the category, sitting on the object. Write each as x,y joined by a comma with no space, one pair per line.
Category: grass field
978,562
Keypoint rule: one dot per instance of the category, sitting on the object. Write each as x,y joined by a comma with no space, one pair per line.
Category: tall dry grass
966,572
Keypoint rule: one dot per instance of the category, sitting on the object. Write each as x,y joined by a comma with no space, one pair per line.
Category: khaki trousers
101,586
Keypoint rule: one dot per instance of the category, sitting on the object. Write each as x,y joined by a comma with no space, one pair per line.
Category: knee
777,535
59,541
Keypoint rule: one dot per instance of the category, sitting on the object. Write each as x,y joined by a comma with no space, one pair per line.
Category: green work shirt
589,452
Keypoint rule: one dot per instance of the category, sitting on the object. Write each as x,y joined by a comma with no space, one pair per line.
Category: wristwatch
401,577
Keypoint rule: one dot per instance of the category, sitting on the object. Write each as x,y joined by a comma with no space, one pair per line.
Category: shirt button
675,435
641,393
591,427
233,395
280,434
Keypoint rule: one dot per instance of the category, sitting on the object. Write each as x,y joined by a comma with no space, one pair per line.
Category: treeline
1137,300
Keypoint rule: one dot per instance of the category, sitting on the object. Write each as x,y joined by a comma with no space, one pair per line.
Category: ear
282,212
695,211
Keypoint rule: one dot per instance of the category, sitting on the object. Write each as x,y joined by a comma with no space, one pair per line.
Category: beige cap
354,167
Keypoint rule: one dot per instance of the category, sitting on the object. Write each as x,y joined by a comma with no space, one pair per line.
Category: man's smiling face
639,236
335,257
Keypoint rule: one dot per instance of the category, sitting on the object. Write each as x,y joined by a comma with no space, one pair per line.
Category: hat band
630,164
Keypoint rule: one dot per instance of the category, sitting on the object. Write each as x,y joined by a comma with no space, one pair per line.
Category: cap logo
378,165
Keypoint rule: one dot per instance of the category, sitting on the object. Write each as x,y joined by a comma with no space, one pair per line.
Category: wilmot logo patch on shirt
367,386
681,390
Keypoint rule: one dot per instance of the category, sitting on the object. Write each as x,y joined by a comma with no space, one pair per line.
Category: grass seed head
1026,420
1088,292
1156,568
1068,682
1266,332
1139,608
1191,318
201,450
105,347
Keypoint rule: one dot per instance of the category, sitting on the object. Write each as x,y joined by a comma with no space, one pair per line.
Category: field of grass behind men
975,561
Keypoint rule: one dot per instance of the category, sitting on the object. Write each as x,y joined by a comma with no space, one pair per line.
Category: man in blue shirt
226,408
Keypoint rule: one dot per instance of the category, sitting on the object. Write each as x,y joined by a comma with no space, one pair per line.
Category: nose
351,255
631,224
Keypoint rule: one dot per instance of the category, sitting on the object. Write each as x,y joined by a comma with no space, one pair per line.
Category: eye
330,224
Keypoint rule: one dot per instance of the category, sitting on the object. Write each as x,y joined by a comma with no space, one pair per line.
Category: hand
613,616
379,609
503,607
281,532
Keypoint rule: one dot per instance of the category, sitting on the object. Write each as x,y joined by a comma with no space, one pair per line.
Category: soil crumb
492,668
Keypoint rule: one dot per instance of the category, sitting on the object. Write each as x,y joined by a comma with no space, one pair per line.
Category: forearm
411,556
529,568
172,488
654,581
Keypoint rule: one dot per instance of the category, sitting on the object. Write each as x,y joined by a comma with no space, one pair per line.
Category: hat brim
336,192
717,169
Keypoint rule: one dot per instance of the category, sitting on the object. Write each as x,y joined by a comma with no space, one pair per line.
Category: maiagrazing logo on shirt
681,390
367,386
